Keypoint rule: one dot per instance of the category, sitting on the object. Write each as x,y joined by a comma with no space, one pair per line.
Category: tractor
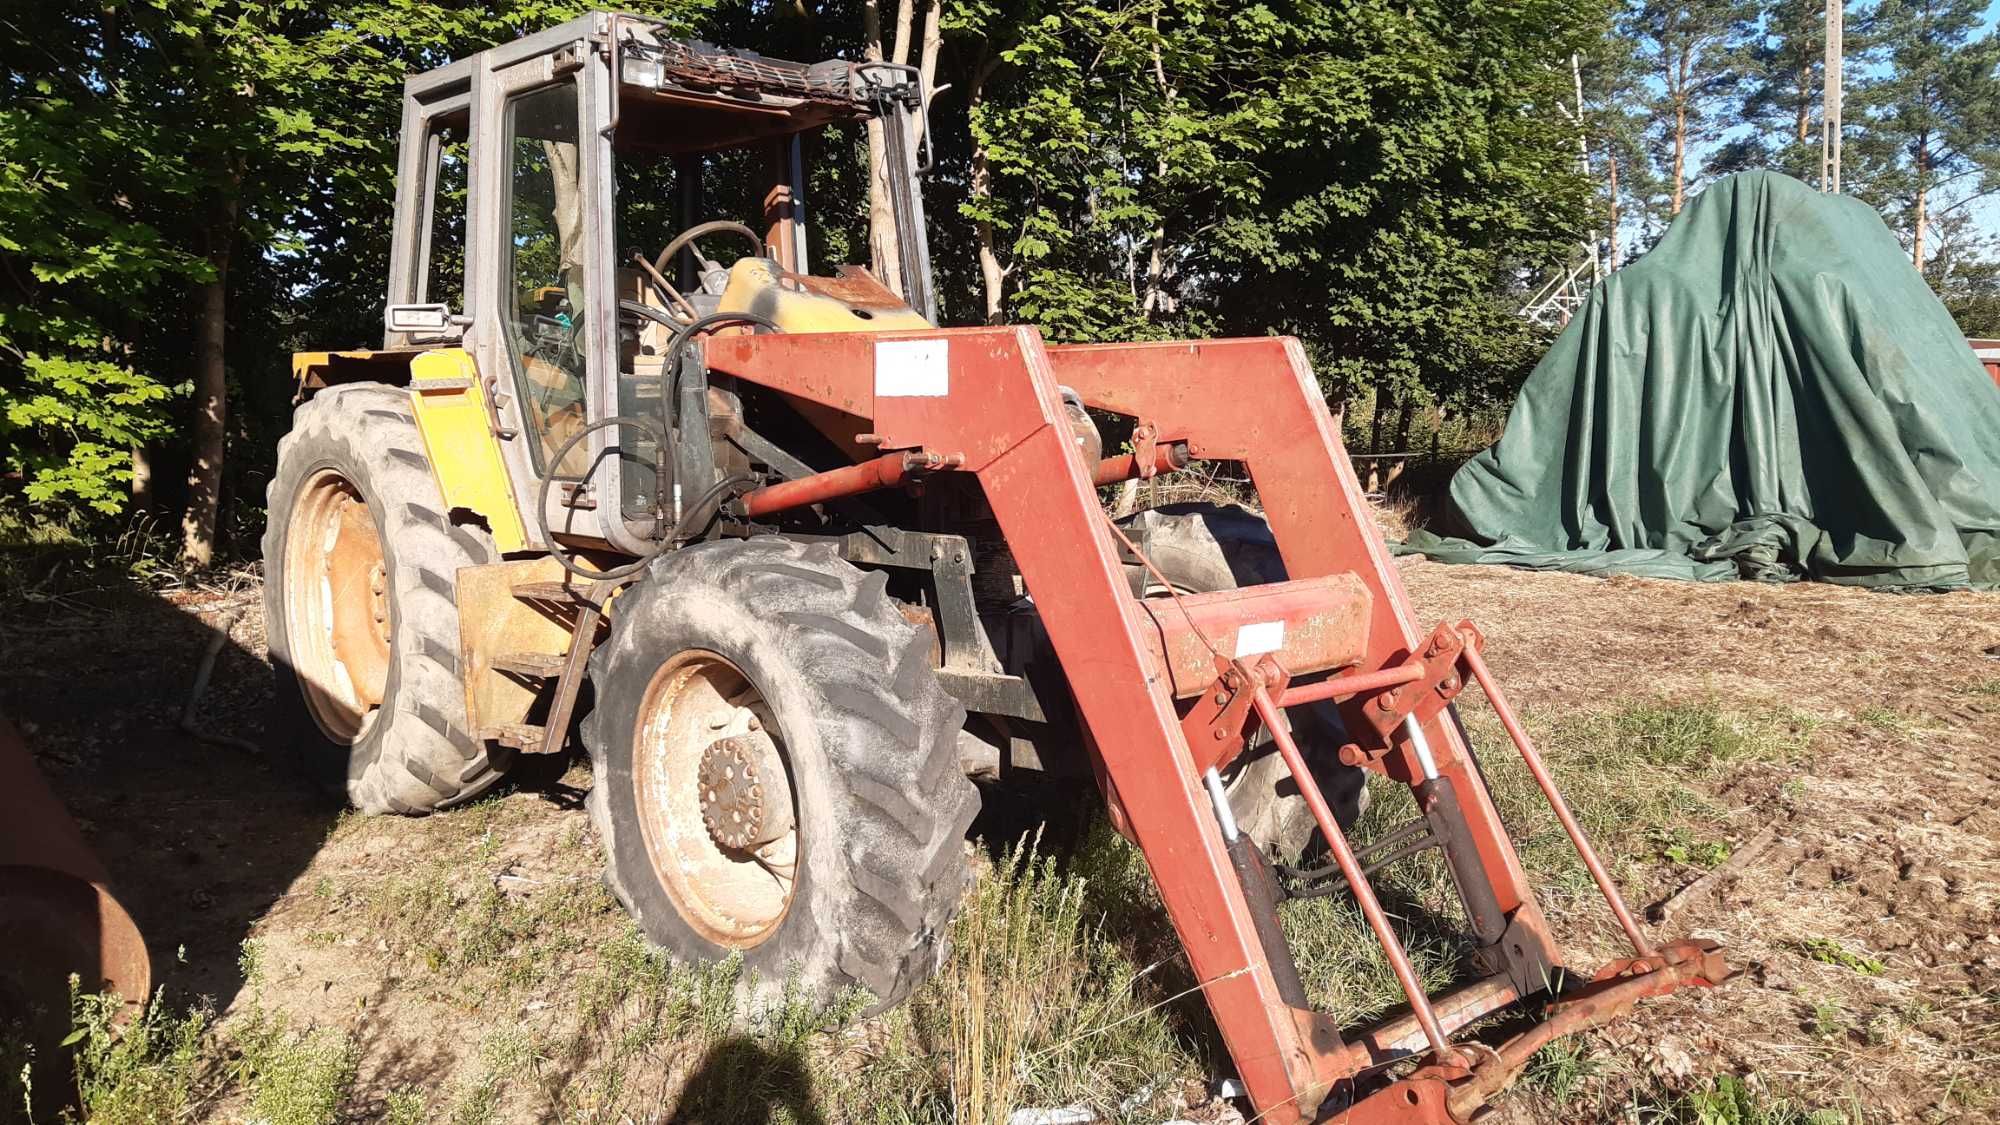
801,569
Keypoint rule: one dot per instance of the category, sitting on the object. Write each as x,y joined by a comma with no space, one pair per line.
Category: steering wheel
679,310
687,238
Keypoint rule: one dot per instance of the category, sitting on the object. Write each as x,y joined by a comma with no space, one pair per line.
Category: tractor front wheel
777,773
361,559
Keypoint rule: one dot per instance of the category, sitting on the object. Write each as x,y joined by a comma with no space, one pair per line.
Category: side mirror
424,320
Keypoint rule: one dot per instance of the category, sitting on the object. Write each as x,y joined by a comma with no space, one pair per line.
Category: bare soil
1887,842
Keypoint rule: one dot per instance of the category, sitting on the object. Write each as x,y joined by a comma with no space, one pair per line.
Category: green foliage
1730,1100
296,1077
1830,952
1928,142
1691,51
145,1071
1364,175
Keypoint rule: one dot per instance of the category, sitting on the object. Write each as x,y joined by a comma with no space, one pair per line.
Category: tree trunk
1406,408
992,274
211,400
882,247
1680,154
142,477
1611,161
1382,399
927,60
1156,260
1920,215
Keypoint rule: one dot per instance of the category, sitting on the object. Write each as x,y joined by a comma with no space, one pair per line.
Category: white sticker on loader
1260,637
912,368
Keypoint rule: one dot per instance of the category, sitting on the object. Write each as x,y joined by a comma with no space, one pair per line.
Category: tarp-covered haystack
1772,392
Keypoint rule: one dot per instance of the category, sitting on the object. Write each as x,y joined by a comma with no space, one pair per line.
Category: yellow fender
450,406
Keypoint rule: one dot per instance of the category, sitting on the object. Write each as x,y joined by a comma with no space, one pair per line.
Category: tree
78,257
1780,92
1691,50
1930,117
1614,125
1371,177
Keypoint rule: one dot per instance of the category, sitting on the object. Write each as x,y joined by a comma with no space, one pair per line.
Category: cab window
545,271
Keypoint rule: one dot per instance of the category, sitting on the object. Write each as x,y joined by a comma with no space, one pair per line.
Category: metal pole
1540,771
1357,880
1829,124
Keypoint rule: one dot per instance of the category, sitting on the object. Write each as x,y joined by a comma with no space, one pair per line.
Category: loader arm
985,401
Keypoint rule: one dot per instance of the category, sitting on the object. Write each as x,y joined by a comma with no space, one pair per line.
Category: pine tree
1782,64
1929,132
1692,51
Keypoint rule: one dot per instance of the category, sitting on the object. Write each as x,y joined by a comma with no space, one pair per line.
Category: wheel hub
339,616
714,799
739,777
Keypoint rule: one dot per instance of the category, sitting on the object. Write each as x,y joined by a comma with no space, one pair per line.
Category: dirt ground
1882,841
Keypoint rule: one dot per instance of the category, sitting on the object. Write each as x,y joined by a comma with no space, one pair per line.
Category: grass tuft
147,1070
1729,1100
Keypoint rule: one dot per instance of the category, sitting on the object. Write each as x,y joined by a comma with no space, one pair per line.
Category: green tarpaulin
1772,392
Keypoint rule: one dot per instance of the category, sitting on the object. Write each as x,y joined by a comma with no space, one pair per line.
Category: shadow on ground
200,839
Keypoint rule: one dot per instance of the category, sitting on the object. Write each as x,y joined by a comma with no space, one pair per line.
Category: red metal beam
886,471
1341,687
1166,459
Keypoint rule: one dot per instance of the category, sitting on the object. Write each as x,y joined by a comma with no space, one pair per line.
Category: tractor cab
570,205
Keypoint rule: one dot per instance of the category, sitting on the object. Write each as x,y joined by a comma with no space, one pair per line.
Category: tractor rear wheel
777,773
1202,548
361,559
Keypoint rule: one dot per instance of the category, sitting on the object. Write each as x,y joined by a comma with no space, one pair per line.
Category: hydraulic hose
670,401
659,435
706,505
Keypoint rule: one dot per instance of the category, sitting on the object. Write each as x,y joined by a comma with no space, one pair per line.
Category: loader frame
985,401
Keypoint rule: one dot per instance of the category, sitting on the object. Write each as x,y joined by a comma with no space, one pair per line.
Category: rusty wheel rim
715,802
337,606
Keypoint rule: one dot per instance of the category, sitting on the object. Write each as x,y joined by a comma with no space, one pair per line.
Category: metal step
540,665
524,737
562,593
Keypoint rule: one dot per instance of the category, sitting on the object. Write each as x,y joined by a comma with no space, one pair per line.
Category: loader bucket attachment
1168,689
57,914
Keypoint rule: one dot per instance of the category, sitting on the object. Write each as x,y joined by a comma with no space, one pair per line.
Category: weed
1039,1005
1829,952
406,1107
1678,843
146,1071
1990,686
1560,1070
294,1077
1829,1019
1730,1100
1888,719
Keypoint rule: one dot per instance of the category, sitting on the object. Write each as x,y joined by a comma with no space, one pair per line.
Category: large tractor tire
361,558
777,773
1201,548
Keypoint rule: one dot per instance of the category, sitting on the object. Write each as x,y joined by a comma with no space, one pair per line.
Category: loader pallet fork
985,402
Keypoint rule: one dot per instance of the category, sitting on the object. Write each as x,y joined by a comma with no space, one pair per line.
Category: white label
912,368
1260,637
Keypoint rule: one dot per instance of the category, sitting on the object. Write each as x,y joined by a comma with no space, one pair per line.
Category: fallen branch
187,725
1701,888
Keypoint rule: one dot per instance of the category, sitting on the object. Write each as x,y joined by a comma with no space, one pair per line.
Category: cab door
539,288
